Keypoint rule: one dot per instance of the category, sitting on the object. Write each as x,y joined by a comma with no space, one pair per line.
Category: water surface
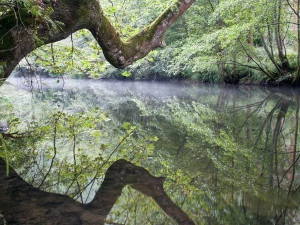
229,154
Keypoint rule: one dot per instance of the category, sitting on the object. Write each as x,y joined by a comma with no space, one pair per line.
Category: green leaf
126,74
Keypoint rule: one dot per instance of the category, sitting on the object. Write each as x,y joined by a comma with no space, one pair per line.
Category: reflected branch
54,153
122,173
16,196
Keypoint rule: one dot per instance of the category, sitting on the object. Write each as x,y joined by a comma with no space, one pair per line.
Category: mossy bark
81,14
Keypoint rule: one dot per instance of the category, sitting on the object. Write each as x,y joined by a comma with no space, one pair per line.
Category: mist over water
147,88
150,89
229,153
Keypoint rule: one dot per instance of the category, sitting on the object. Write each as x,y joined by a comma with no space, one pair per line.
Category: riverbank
132,75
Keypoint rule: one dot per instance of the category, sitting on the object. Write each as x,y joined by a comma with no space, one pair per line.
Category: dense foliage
219,170
216,40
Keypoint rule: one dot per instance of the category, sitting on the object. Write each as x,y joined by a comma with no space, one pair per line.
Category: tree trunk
279,40
251,43
297,8
292,149
284,105
295,25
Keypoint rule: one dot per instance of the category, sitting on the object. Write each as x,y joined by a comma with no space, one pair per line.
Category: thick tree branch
17,41
121,54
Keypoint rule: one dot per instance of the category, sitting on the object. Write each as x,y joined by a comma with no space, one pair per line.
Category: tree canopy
26,25
216,40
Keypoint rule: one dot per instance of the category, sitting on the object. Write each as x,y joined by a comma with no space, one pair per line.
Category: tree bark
285,66
19,31
297,8
295,25
20,203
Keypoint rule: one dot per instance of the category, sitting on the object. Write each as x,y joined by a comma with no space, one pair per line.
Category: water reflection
229,154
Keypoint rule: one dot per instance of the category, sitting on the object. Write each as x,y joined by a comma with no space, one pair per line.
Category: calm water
230,155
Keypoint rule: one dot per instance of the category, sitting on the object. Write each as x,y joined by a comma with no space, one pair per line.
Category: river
230,154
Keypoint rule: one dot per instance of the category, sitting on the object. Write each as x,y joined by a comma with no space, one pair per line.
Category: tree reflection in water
229,155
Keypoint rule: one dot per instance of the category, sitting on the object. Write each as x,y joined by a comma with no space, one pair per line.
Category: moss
133,46
168,13
8,24
24,17
2,69
80,8
175,7
83,12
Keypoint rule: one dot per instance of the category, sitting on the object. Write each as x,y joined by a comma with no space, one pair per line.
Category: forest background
231,41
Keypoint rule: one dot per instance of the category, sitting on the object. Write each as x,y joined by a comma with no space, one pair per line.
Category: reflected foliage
230,155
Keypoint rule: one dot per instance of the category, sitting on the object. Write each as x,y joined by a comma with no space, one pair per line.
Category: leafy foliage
228,40
214,150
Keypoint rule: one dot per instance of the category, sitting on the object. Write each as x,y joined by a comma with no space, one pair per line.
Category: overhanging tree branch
123,53
76,15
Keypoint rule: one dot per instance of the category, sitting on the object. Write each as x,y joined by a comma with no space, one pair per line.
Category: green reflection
230,154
